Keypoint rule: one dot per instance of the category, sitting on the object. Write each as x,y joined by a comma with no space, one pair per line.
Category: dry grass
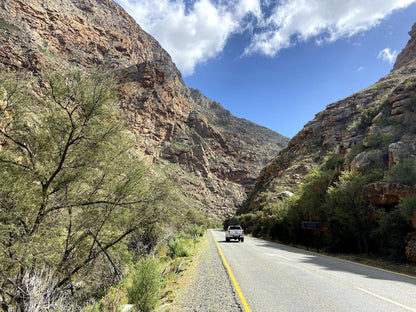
177,284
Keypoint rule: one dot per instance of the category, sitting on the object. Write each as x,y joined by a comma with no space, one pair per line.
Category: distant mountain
216,156
371,131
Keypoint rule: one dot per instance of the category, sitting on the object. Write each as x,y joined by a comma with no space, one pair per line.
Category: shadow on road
333,264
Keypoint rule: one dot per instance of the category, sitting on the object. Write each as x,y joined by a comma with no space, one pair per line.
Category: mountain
358,120
216,157
371,132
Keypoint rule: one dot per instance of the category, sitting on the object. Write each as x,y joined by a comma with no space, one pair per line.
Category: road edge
243,300
340,259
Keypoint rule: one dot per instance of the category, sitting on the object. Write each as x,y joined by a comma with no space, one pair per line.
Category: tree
71,185
352,212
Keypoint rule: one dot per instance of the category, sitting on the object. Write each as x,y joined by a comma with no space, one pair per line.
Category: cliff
216,156
354,128
371,132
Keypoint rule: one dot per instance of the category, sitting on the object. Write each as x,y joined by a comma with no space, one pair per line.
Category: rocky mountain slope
216,156
354,128
372,132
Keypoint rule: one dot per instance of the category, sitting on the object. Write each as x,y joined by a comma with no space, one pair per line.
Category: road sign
310,225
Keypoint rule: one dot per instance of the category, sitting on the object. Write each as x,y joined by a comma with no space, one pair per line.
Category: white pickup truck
234,232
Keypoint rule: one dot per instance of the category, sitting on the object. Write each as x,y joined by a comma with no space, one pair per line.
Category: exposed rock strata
216,155
364,121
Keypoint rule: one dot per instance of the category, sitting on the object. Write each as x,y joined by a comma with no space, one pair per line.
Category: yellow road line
237,288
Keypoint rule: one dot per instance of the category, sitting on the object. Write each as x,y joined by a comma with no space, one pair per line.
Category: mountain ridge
371,133
173,123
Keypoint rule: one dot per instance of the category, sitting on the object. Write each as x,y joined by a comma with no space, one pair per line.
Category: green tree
407,208
403,172
391,234
71,186
352,212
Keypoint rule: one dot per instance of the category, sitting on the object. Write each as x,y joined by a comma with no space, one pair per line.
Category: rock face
216,156
372,128
411,247
360,121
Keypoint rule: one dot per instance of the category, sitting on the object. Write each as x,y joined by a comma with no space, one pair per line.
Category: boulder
411,247
389,193
399,151
360,162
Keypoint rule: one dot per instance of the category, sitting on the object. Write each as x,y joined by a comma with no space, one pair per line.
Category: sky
278,62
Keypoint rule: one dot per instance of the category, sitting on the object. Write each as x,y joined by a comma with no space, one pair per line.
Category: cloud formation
196,31
387,55
295,21
191,35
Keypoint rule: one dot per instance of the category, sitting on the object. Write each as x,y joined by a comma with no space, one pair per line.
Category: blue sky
278,62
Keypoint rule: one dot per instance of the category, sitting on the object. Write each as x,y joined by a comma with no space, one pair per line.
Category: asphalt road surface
275,278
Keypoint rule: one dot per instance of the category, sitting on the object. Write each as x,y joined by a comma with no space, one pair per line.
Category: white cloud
322,20
387,55
193,34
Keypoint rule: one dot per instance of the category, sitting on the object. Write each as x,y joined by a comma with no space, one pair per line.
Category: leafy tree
391,234
71,186
407,208
403,172
352,212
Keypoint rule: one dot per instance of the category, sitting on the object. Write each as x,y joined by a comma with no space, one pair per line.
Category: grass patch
176,284
8,26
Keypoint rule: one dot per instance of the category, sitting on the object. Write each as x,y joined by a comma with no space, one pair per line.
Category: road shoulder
206,286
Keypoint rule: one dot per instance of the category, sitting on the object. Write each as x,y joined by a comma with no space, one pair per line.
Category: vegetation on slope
339,200
359,184
78,205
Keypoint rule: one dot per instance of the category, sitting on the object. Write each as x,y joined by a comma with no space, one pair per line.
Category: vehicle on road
234,232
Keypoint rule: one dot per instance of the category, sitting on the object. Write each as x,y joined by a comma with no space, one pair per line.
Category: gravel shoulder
209,288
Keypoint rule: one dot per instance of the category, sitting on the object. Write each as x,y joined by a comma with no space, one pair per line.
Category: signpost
311,225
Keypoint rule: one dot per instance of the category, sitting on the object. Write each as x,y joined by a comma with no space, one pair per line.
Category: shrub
403,172
113,300
407,208
177,248
8,26
391,234
195,230
143,289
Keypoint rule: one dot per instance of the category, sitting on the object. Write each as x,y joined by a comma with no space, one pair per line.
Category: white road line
276,255
386,299
286,258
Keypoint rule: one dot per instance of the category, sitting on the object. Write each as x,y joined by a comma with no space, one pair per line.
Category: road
274,277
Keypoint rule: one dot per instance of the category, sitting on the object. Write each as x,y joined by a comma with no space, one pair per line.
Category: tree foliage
338,199
403,172
71,186
351,209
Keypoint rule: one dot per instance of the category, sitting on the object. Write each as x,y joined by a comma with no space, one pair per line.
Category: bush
391,234
407,208
403,172
177,248
195,230
113,300
143,289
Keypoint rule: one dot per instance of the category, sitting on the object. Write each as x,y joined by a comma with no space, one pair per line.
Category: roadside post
311,225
